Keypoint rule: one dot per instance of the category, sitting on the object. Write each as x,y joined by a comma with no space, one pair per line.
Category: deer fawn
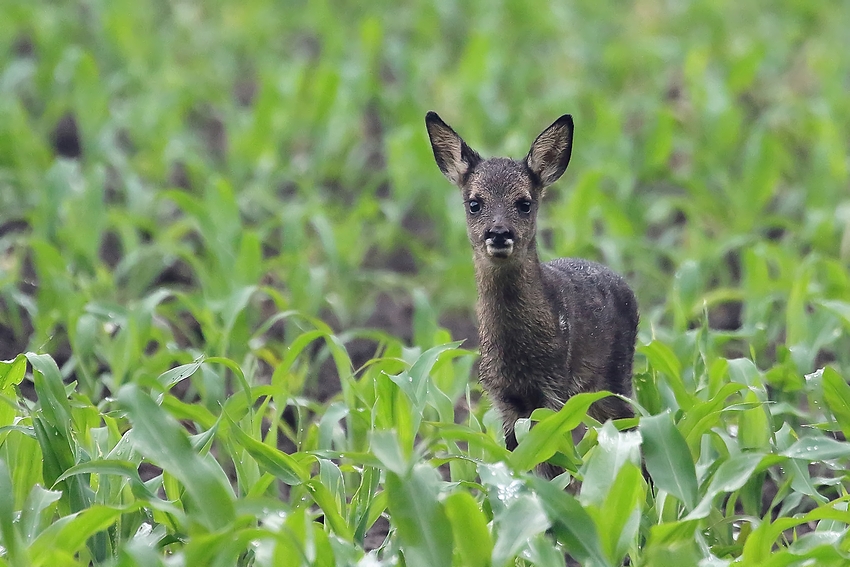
547,331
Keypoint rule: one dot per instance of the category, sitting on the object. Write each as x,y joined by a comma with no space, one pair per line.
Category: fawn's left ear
454,158
550,153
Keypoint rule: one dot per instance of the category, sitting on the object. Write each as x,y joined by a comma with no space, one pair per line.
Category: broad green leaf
325,499
754,427
423,527
329,424
662,359
124,469
796,469
668,459
672,544
414,382
384,445
502,486
362,501
35,511
760,544
613,450
836,393
28,431
474,439
12,371
522,519
704,415
544,438
332,478
162,440
69,534
812,448
271,459
840,308
619,516
51,392
223,548
8,529
646,391
731,475
744,371
469,528
571,523
542,551
58,457
176,375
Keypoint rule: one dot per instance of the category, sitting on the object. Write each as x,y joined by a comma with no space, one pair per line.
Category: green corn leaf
278,463
176,375
423,527
662,359
731,475
544,438
614,450
672,543
619,516
158,437
12,371
11,536
51,392
124,469
58,457
571,523
668,459
70,533
816,448
325,500
836,394
469,529
522,519
760,544
754,426
33,514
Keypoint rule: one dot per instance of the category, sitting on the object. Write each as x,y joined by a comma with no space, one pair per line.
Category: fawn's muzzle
499,241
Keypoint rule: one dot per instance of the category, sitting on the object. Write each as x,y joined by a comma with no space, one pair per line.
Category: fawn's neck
512,302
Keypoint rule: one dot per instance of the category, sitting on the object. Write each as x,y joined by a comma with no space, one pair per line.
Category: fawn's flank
547,331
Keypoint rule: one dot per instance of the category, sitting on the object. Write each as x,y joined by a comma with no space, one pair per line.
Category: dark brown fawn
547,331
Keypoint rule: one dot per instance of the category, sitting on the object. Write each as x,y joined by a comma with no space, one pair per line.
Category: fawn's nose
499,235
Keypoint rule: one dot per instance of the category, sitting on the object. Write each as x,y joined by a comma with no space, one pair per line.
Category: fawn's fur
547,331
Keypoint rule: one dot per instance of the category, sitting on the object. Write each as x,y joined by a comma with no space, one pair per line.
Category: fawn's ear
454,158
550,153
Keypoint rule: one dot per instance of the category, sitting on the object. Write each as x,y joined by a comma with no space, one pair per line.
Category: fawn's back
547,331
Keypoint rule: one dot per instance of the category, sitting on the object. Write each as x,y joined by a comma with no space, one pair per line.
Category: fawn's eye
524,206
474,206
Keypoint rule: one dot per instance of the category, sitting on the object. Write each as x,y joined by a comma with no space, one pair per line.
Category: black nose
500,235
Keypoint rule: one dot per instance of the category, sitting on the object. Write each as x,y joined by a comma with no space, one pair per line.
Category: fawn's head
500,194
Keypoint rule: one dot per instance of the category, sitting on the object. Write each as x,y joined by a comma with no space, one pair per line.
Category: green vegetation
238,290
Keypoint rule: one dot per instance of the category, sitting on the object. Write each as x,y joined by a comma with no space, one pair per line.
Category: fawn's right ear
454,158
550,153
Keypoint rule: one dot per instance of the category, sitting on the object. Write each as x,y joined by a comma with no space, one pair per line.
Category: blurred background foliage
210,147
